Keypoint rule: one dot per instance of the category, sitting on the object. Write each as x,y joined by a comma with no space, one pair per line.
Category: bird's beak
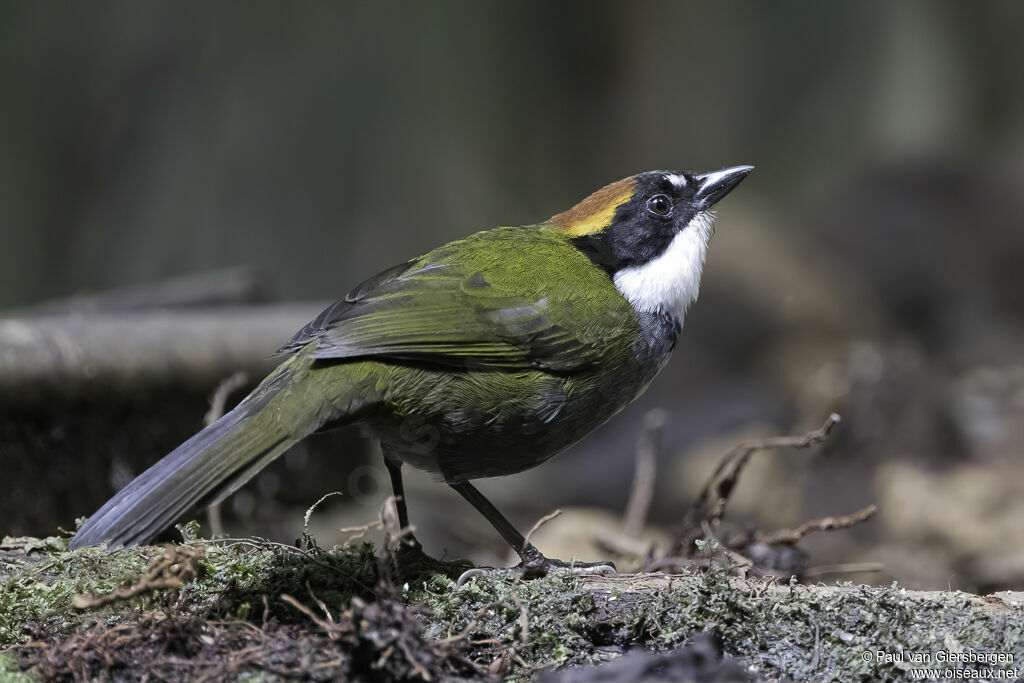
717,184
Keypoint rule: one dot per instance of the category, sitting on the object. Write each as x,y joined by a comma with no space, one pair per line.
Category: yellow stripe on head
595,213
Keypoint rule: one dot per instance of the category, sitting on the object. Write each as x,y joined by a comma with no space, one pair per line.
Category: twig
220,396
417,668
711,502
540,522
321,605
358,531
307,539
215,520
791,536
387,520
177,565
524,619
328,628
217,403
642,492
255,542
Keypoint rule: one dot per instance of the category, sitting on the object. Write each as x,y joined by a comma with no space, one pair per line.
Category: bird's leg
395,471
410,556
533,562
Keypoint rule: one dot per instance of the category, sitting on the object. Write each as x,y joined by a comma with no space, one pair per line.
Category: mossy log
80,355
224,609
225,287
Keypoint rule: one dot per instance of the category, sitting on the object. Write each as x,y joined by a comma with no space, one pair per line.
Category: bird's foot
409,551
534,565
412,561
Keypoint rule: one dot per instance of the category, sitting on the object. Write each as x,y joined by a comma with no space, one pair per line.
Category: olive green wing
481,303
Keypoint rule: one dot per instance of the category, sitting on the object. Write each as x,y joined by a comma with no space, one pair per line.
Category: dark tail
211,465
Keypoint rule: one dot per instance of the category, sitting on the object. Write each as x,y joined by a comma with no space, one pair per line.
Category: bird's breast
469,425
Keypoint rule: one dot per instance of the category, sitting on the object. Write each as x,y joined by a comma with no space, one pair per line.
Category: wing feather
440,310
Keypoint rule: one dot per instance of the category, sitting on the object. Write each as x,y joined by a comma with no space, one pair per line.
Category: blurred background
871,265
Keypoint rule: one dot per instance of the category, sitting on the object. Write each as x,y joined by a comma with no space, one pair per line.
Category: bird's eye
660,205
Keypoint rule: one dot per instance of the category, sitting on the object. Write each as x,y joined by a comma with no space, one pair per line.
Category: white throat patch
670,282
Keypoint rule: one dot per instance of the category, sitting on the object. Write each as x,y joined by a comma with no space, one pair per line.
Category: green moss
799,632
557,607
823,632
10,672
39,579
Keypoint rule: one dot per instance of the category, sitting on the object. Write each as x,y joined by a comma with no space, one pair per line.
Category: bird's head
650,232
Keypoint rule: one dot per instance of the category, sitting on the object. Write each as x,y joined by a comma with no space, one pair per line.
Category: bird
482,358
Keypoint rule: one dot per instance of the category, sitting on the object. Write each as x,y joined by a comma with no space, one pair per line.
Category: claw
470,573
582,568
532,570
596,569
